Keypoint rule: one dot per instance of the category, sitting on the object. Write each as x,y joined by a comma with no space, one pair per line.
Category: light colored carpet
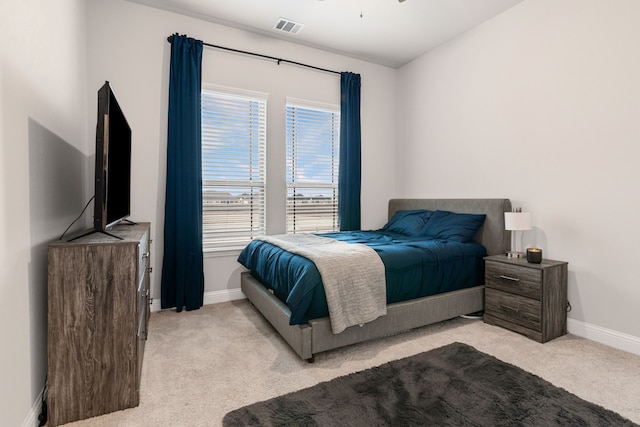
199,365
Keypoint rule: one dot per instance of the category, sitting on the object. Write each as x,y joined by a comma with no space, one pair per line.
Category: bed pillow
409,222
453,226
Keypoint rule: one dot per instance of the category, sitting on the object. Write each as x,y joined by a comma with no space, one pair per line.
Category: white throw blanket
353,276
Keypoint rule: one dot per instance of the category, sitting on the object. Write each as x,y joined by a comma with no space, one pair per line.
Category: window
233,168
313,140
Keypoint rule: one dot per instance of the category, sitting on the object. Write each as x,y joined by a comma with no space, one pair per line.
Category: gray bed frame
316,336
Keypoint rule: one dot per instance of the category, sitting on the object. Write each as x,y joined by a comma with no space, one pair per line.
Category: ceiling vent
288,26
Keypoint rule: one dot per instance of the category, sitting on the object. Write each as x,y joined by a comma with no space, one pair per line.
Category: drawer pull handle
512,279
511,309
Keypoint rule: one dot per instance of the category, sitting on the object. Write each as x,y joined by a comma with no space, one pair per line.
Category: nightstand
530,299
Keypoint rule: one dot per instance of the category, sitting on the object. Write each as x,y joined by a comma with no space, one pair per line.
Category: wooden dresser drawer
514,279
525,312
527,298
143,256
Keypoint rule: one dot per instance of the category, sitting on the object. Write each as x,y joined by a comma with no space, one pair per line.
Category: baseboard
605,336
595,333
212,297
32,418
223,296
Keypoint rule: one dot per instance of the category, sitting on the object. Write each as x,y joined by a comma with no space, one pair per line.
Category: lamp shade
517,221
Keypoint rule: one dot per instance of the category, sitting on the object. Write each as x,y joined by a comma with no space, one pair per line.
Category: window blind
313,138
233,169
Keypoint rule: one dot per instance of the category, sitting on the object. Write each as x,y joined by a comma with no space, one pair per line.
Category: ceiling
386,32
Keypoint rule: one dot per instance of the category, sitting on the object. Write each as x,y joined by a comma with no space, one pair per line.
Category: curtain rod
279,60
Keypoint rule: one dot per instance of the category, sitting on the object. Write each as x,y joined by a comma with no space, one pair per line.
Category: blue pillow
409,222
453,226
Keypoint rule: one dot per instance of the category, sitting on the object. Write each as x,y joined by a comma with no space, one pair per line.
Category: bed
309,335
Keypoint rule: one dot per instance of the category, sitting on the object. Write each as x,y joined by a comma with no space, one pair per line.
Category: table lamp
516,221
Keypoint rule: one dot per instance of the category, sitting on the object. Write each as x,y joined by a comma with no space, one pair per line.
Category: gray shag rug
454,385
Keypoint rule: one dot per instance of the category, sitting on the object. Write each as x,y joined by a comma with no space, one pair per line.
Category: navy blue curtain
349,179
182,270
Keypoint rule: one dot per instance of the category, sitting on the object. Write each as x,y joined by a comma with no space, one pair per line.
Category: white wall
541,105
42,117
134,56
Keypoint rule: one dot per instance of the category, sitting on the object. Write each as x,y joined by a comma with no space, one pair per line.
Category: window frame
237,239
292,226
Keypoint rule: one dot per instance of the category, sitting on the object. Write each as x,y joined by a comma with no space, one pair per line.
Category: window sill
226,253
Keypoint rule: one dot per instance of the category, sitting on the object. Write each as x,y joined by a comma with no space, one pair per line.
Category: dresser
527,298
98,313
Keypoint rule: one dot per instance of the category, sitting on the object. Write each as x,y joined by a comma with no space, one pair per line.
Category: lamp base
515,254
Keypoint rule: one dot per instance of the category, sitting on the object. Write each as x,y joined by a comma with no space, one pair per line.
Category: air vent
288,26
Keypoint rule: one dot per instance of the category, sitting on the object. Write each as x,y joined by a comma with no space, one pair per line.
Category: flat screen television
113,163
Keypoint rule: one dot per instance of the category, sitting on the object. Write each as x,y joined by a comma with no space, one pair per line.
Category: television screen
113,162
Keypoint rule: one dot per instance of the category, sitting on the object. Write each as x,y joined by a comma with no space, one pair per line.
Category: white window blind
233,169
313,147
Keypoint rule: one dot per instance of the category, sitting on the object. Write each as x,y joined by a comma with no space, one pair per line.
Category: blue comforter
414,268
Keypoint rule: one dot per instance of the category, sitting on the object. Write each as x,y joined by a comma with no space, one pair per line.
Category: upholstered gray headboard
491,235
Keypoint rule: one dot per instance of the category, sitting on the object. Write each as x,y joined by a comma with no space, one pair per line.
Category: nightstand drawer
512,308
514,279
